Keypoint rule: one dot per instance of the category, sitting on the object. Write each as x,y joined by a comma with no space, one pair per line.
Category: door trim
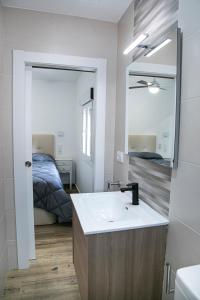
28,135
20,60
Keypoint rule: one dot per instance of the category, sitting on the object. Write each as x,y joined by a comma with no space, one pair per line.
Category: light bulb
135,43
153,89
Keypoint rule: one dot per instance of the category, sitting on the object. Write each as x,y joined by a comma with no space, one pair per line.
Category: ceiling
104,10
55,75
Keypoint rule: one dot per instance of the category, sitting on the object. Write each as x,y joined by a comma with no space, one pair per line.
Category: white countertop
113,211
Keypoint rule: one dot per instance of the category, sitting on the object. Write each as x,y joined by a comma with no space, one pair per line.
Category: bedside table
65,166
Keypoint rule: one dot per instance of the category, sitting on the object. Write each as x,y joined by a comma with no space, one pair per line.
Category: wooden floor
73,190
52,274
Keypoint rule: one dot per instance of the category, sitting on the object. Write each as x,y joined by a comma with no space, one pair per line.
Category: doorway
63,105
21,121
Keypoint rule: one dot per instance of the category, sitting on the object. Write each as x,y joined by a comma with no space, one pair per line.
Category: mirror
152,105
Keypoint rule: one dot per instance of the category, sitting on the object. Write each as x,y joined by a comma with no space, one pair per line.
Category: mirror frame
174,72
178,96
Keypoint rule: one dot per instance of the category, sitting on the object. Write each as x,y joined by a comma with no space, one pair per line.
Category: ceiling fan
154,87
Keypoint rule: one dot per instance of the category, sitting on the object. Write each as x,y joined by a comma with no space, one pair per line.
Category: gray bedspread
151,156
48,192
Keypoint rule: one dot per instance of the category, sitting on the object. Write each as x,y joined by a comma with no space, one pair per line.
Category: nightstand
65,166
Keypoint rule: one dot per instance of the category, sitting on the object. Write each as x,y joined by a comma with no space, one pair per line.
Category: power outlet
120,157
60,149
60,134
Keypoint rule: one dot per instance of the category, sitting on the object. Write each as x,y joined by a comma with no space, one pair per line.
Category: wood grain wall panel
154,183
155,17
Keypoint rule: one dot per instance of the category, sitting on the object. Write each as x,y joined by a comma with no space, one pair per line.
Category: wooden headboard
142,143
44,143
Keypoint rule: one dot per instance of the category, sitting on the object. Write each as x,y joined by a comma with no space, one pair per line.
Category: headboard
44,143
142,143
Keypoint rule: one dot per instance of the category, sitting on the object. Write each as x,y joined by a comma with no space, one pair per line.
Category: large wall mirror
153,103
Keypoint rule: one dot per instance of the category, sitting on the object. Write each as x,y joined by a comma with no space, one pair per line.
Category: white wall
184,231
44,32
4,194
84,167
153,113
53,111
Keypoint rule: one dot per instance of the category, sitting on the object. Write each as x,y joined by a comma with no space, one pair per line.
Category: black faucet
134,188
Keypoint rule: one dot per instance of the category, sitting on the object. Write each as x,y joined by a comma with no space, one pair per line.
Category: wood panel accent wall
155,17
154,183
123,265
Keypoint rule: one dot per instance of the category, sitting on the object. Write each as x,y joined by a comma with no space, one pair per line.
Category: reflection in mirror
151,105
151,117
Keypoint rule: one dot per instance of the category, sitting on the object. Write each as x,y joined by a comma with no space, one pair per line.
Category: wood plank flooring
52,274
73,190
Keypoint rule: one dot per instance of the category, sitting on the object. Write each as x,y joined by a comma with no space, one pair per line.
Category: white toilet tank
187,283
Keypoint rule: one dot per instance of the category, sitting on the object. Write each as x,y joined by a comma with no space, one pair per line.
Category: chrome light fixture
135,43
157,48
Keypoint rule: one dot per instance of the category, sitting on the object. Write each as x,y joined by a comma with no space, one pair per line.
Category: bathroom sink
109,209
113,211
110,235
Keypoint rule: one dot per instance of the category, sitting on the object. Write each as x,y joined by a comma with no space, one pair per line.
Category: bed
151,156
51,203
144,147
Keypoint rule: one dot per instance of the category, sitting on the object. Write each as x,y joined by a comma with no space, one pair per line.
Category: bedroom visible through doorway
62,122
23,65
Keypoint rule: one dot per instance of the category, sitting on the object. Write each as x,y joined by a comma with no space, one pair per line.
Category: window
87,130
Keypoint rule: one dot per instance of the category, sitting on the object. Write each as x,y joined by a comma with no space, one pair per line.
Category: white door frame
28,149
20,60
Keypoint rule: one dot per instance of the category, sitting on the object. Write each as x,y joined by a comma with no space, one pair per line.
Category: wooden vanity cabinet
121,265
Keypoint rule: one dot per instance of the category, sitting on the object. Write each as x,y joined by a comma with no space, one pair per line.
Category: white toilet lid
188,280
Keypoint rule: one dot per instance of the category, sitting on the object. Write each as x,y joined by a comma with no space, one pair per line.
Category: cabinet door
127,265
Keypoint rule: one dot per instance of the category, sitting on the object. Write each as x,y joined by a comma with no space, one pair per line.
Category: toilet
187,283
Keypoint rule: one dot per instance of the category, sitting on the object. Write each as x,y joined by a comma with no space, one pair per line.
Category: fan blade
137,87
142,82
162,89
